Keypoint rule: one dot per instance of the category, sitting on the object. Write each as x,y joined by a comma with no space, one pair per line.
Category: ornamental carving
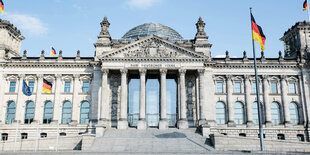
151,49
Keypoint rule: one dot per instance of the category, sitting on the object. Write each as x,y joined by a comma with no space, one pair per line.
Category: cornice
154,59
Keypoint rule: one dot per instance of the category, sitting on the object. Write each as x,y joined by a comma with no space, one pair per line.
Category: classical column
284,100
38,97
266,100
163,123
142,122
202,93
247,87
75,102
104,107
123,122
182,123
20,106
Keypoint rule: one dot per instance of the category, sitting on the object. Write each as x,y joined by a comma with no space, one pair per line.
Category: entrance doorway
152,101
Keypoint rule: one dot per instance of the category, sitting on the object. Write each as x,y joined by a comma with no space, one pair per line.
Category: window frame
84,120
84,87
12,89
220,120
31,86
29,120
4,137
238,90
222,87
279,113
296,114
275,86
67,89
294,87
67,120
243,113
9,113
45,119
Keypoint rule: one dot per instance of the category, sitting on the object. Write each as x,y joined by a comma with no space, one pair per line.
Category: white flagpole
37,140
16,133
308,11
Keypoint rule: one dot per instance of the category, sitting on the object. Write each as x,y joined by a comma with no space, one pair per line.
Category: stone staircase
152,141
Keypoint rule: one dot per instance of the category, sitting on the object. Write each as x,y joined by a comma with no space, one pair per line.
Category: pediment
153,47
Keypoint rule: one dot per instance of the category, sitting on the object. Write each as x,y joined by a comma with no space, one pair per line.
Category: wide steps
151,141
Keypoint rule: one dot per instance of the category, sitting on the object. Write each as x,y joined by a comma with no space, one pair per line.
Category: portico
149,97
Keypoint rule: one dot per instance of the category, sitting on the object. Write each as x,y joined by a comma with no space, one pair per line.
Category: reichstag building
154,78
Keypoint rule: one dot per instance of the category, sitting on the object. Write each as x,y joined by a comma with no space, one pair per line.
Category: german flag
258,34
53,51
47,87
305,5
2,6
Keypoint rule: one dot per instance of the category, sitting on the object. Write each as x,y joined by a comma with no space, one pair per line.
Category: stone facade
215,95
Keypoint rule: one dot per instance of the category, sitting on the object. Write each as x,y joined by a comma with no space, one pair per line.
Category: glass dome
148,29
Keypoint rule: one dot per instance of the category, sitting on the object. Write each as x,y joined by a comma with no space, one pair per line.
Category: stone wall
229,143
43,144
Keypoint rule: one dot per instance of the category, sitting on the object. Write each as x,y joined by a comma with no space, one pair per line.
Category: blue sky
70,25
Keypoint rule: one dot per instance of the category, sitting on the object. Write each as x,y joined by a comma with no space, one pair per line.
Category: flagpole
308,11
261,135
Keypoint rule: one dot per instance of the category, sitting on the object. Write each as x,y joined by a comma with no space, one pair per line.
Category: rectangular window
12,87
292,88
274,88
219,87
4,137
253,87
85,86
237,87
31,85
67,87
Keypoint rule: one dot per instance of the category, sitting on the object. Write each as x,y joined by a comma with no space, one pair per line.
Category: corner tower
297,41
10,40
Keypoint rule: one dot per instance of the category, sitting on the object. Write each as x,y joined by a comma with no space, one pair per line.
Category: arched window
84,115
255,113
220,113
275,113
29,114
48,112
239,113
66,112
294,113
10,113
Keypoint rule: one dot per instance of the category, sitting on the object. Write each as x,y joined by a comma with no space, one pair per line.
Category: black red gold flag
258,34
47,87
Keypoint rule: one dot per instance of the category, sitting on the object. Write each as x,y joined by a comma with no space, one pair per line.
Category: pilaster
231,121
75,101
20,105
285,101
247,88
266,100
38,98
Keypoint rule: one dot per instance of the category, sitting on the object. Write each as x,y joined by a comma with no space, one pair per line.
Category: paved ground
150,141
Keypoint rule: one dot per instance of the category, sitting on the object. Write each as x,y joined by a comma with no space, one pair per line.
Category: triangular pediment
153,47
